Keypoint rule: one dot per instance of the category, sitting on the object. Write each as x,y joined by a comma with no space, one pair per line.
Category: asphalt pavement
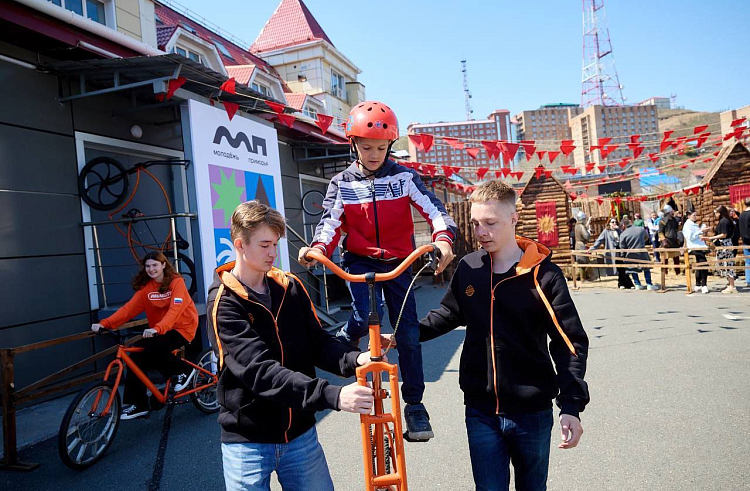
668,375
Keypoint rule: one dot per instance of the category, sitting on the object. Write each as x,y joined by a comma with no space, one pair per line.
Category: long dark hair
723,212
142,278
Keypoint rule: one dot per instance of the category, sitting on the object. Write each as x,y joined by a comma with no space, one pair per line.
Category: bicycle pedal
412,440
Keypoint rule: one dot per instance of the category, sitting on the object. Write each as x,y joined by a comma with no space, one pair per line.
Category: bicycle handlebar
362,278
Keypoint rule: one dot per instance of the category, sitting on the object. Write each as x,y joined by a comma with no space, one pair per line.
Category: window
91,9
188,54
312,113
263,89
337,84
188,28
223,49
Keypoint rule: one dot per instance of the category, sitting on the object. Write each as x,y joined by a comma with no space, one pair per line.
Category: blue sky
520,54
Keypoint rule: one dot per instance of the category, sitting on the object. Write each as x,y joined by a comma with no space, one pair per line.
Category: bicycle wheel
187,270
205,400
103,183
312,202
85,435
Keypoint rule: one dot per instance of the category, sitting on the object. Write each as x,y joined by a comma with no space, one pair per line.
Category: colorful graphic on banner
737,195
546,223
229,188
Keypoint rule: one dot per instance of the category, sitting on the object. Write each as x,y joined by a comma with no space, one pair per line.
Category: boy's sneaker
696,289
417,423
638,287
133,412
652,287
183,381
704,289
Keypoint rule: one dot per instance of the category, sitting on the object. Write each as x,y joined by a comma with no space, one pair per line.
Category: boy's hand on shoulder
446,255
571,430
301,257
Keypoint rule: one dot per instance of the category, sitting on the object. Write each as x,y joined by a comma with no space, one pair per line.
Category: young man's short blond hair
250,215
497,190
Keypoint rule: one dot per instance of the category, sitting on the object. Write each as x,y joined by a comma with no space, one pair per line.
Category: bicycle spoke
73,444
81,452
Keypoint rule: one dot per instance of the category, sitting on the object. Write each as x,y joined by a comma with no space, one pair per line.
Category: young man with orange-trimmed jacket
512,299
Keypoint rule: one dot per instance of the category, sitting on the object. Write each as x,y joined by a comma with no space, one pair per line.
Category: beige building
295,44
659,102
547,126
727,117
618,123
495,127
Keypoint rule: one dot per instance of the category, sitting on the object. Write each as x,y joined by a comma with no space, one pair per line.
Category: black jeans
701,275
157,356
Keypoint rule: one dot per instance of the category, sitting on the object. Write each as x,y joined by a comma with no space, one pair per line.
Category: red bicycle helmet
372,119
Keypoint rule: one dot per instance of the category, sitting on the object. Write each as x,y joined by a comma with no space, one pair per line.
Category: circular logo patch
469,291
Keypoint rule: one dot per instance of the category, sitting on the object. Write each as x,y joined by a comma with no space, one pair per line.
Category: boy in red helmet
371,203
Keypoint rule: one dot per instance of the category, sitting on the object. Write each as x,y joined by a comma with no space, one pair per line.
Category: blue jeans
497,440
646,275
300,465
746,252
407,335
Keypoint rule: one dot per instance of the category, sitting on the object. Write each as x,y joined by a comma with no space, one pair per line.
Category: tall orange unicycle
382,434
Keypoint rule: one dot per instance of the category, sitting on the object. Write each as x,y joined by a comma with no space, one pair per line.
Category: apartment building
495,127
618,123
547,126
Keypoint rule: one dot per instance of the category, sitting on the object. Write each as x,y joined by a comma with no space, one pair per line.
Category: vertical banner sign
737,195
546,223
234,161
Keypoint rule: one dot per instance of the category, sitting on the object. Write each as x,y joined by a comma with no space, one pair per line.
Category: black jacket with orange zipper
268,389
505,364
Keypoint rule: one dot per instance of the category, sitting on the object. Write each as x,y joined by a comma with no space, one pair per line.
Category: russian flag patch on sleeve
177,300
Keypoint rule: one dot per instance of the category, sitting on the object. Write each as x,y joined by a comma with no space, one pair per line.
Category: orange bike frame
379,420
122,356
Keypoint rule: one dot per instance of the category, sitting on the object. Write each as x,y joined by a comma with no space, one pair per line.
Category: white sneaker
183,381
638,287
652,287
696,289
729,289
133,412
704,289
622,288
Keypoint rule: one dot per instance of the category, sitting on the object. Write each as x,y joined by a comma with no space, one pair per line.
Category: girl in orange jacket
173,319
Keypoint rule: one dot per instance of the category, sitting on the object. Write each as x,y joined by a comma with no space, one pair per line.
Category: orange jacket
173,309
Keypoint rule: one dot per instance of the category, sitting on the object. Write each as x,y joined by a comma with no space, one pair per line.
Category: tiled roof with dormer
296,100
292,23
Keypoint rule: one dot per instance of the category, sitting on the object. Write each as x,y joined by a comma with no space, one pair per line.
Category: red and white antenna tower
600,84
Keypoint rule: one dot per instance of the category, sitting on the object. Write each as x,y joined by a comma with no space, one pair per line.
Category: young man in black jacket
511,298
269,341
745,236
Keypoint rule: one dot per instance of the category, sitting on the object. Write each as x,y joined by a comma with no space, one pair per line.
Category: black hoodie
505,364
268,389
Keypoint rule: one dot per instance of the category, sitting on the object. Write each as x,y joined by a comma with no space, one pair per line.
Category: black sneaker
183,381
417,423
343,336
134,412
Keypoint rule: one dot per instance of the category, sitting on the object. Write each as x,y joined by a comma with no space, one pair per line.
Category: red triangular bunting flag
493,152
528,148
231,108
286,119
417,141
552,156
431,169
635,138
700,129
473,152
738,122
601,168
481,172
701,140
568,185
505,171
447,170
566,146
518,175
229,86
172,87
541,154
324,122
599,200
548,174
590,166
683,166
667,134
539,171
623,163
603,141
573,196
509,150
427,141
606,150
275,106
664,145
454,143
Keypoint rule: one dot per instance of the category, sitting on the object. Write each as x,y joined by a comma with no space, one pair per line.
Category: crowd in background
668,229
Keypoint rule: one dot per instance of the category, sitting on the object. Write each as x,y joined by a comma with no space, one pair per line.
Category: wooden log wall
465,243
545,189
734,170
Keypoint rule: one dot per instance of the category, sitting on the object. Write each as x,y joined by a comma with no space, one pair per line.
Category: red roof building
291,24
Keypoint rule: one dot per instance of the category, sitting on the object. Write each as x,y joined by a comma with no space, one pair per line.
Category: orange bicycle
382,435
91,421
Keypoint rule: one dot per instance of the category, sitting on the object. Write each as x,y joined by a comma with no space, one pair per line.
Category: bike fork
376,427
